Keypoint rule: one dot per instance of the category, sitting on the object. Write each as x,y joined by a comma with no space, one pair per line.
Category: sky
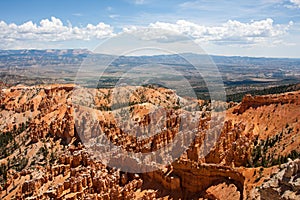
261,28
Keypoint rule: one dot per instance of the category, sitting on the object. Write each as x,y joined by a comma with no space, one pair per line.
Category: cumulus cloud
51,31
231,32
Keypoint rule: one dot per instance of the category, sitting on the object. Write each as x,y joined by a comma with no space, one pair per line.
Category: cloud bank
52,30
232,32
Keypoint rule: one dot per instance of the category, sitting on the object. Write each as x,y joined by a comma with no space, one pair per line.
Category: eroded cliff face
76,176
259,101
49,137
267,122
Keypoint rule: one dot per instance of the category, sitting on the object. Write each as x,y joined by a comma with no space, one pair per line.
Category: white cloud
292,4
232,32
52,30
296,3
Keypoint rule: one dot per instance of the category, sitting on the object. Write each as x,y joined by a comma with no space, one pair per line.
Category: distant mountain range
63,55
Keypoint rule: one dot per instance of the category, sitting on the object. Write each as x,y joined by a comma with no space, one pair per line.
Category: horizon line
91,51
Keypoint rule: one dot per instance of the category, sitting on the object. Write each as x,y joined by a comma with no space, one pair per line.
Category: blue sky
254,28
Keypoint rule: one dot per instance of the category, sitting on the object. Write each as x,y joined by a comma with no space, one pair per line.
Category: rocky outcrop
283,185
190,179
257,101
222,191
80,177
233,147
198,177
